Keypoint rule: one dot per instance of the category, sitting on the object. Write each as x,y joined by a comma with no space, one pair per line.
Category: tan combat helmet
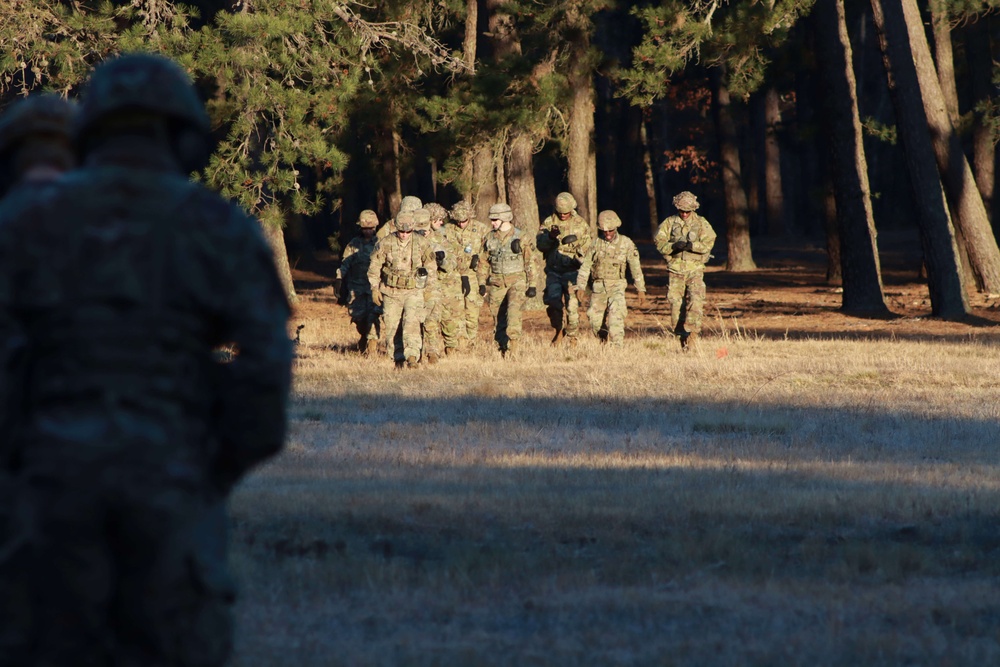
405,221
461,211
565,203
421,220
368,219
608,221
436,211
501,212
410,203
686,201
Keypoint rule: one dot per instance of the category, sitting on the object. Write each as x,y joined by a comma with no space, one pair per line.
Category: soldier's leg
392,315
452,322
553,299
515,306
413,313
496,294
595,313
572,307
616,316
696,301
675,295
432,326
473,304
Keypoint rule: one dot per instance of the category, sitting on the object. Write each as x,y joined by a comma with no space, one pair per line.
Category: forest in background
819,119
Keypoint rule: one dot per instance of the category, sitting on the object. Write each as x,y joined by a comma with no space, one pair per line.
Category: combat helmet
565,203
461,211
608,220
421,220
410,203
405,221
501,212
368,219
436,211
45,114
686,201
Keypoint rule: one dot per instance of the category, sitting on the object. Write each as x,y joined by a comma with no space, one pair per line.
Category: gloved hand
553,232
439,256
641,301
338,290
482,290
474,262
377,296
515,246
571,238
421,272
682,246
531,292
466,286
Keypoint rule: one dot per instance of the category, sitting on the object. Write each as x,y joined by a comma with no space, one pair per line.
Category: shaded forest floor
786,298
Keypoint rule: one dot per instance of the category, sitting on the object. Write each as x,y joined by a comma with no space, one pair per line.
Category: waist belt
400,281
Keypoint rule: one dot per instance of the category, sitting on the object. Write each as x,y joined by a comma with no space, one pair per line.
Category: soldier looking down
352,286
563,239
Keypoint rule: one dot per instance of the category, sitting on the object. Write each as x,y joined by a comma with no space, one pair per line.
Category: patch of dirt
787,297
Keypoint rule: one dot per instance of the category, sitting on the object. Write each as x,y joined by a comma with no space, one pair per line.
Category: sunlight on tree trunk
738,253
276,239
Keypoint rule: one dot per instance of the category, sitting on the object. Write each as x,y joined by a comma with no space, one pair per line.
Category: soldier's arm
543,241
583,274
348,258
662,239
252,391
703,244
635,267
483,270
375,266
429,262
529,262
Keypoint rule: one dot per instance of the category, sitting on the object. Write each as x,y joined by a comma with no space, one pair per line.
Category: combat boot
382,348
411,362
572,341
448,351
690,342
432,358
363,345
509,350
558,337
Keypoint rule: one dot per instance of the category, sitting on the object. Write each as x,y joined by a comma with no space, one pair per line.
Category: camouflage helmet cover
45,114
141,82
501,212
421,219
368,219
410,203
608,220
437,211
461,211
405,221
686,201
565,203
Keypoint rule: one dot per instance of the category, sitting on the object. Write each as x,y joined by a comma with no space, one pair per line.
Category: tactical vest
502,259
610,261
396,273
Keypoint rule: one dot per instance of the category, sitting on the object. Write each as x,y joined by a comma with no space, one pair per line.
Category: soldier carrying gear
563,238
351,284
408,205
685,240
603,272
468,240
36,140
443,300
130,422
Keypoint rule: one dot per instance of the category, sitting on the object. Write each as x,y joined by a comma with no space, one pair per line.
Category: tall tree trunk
471,33
484,181
904,23
581,153
944,274
647,167
775,200
388,143
944,56
861,271
979,49
738,254
276,239
834,266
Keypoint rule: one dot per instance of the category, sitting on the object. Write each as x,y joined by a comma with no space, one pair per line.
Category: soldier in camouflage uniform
128,275
468,234
446,317
431,321
506,275
351,283
604,269
685,241
409,203
564,238
401,267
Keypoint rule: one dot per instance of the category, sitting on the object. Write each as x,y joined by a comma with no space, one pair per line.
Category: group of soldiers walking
414,288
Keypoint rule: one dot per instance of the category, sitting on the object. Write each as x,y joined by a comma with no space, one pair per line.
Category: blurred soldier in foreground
401,267
443,322
685,241
604,267
469,234
409,203
564,238
127,276
351,284
36,145
507,276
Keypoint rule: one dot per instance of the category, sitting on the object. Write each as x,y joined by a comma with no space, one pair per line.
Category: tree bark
581,153
941,256
944,57
834,266
860,268
774,197
738,253
276,239
388,142
647,167
484,181
979,50
903,23
471,34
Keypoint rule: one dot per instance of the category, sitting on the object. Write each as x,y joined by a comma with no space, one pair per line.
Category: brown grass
786,502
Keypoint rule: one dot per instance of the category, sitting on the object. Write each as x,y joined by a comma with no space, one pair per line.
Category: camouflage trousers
469,306
505,297
561,302
444,318
403,314
364,313
607,309
686,294
129,573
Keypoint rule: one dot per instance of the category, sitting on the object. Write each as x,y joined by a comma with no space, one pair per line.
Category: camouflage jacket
354,265
468,242
696,230
398,265
127,278
607,261
562,257
498,256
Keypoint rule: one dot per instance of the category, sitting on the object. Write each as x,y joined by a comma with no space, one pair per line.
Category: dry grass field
805,489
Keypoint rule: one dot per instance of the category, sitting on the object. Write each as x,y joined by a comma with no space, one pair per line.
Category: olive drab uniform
686,291
507,271
353,272
127,277
469,241
603,269
401,270
563,254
